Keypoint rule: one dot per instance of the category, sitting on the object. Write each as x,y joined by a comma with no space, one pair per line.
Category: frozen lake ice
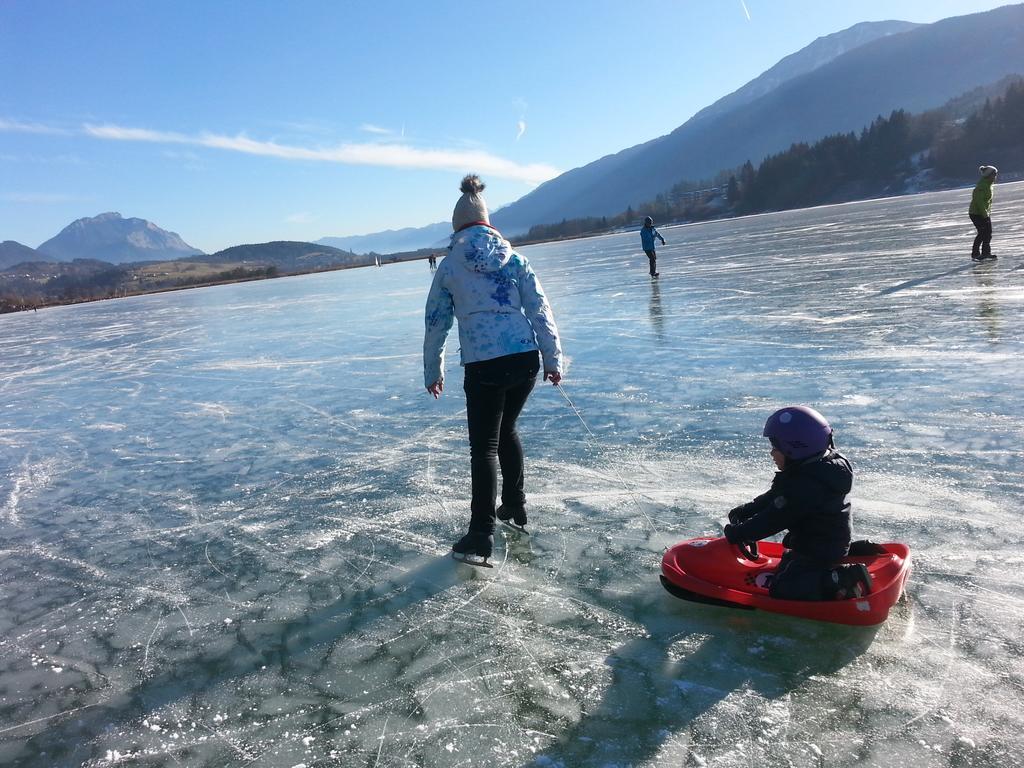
226,513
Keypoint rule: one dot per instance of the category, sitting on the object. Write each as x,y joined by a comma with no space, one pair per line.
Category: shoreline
420,255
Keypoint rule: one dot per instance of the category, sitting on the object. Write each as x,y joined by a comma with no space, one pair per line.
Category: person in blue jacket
647,235
504,318
808,498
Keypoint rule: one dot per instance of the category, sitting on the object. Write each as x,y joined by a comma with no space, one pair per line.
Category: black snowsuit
808,498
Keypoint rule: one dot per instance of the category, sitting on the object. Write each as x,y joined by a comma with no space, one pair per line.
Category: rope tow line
614,469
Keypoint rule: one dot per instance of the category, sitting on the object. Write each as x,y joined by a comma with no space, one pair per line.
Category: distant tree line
72,287
228,275
686,201
20,293
993,135
41,284
78,284
840,167
950,143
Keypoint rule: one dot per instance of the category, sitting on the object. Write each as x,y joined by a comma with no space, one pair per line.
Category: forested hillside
889,156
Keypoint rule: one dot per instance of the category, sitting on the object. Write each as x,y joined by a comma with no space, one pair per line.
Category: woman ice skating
647,235
981,211
504,318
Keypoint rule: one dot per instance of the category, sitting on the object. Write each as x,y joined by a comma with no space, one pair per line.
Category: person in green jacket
980,212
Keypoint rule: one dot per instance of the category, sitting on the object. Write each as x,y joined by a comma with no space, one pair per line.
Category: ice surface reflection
226,513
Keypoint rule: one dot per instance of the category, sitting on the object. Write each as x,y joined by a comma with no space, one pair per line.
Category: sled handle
749,550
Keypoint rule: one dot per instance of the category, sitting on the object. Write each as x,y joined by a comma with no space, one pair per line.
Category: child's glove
730,534
738,514
865,548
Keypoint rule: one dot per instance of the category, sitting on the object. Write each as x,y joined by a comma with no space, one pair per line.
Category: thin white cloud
521,107
388,155
19,126
376,129
120,133
303,217
745,9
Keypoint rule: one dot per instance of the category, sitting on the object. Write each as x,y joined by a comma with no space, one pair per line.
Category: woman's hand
553,376
436,388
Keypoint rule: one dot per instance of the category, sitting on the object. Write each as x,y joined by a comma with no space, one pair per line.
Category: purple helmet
798,431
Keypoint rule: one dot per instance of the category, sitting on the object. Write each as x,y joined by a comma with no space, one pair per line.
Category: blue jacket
647,235
497,299
810,499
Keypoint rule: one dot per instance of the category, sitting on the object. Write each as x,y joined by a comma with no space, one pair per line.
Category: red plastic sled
709,570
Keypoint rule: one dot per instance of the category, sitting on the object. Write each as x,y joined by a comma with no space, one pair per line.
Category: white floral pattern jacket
497,299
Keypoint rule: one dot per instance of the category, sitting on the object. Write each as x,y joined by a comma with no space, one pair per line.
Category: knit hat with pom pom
984,170
471,207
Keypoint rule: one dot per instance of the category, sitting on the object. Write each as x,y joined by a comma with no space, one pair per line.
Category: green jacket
981,200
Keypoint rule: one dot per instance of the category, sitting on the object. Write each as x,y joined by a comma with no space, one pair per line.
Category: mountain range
123,238
916,69
286,255
394,240
839,83
12,252
807,59
110,237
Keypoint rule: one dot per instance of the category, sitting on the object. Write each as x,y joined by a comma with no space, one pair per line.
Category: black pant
801,578
984,238
496,391
653,258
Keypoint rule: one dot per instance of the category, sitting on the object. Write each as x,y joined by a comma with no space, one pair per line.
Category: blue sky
247,121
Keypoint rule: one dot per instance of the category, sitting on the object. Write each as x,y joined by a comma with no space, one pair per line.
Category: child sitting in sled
809,499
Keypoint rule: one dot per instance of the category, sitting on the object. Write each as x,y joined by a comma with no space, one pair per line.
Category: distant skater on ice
647,235
504,318
981,212
809,499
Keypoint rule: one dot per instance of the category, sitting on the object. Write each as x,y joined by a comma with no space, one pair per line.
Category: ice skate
513,517
474,549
